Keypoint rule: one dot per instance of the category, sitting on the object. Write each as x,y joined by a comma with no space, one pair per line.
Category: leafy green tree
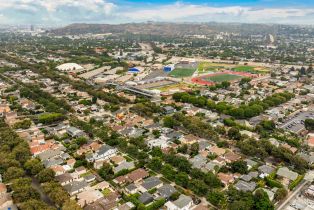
33,204
239,166
24,124
46,175
194,149
48,118
21,152
182,179
225,84
33,166
70,205
280,194
261,201
216,198
155,164
198,187
234,133
13,173
55,192
170,122
183,149
309,124
168,171
156,152
23,191
106,171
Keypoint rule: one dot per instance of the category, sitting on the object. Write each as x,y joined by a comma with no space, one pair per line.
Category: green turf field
245,69
182,72
223,77
205,67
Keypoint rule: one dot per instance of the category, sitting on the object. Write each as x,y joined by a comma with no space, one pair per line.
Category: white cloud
100,6
192,12
68,11
91,5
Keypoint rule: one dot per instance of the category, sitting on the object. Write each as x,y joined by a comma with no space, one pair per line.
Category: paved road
292,195
43,196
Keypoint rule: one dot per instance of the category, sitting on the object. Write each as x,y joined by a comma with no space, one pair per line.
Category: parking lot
295,123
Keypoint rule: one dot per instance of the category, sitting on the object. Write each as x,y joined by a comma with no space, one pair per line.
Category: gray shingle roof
166,190
266,169
285,172
75,186
245,186
151,182
146,198
182,201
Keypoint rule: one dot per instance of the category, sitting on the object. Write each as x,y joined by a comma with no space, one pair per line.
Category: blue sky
62,12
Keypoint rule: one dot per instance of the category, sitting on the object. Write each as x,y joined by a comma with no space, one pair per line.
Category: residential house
75,132
126,206
198,161
80,170
287,174
150,183
309,158
211,166
108,202
118,159
245,186
182,203
58,169
250,163
101,186
65,179
231,157
53,162
3,189
146,198
88,197
123,166
204,145
169,110
76,187
166,191
226,179
4,108
71,162
216,150
132,177
189,139
90,178
310,141
265,170
131,189
105,152
6,202
161,142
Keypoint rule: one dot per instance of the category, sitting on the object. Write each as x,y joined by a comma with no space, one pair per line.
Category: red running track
201,80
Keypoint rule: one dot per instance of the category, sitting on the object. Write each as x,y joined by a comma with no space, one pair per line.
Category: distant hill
135,28
172,28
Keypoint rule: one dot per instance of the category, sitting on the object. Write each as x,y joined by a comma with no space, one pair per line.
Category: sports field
223,77
244,68
218,77
206,67
182,72
251,69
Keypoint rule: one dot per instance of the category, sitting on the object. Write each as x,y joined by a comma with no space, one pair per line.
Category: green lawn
223,77
205,67
245,69
180,72
106,192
